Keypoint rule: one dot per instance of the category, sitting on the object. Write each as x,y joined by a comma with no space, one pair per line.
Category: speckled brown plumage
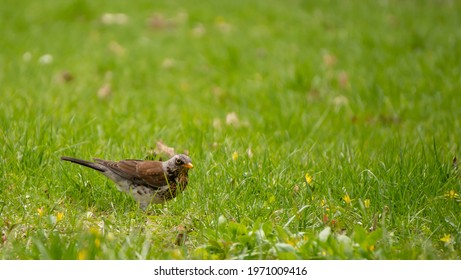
146,180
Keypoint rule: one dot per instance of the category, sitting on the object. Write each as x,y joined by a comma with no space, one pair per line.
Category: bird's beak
188,165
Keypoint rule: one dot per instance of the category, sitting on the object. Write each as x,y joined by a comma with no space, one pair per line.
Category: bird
147,181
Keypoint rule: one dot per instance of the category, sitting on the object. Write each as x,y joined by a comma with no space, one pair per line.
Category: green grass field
318,129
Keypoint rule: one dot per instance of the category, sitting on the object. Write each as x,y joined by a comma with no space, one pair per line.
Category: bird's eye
179,161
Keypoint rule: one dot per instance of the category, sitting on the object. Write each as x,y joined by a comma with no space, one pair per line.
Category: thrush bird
146,180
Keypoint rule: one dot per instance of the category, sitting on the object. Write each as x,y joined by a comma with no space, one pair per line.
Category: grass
361,98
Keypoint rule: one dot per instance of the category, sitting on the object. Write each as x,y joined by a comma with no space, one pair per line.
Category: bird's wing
152,173
147,173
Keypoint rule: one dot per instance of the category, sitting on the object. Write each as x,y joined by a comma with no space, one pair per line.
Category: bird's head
178,164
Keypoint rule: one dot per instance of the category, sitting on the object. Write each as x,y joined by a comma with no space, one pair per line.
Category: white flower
46,59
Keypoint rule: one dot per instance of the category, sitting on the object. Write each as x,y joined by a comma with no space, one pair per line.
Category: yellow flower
451,194
40,212
308,178
292,242
81,255
97,243
347,199
59,216
371,248
95,231
446,238
366,203
235,156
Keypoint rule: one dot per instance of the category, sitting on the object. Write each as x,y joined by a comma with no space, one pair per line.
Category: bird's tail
89,164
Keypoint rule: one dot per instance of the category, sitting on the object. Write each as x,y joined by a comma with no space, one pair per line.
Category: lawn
317,129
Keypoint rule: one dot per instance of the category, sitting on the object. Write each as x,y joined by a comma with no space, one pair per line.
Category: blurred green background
360,95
